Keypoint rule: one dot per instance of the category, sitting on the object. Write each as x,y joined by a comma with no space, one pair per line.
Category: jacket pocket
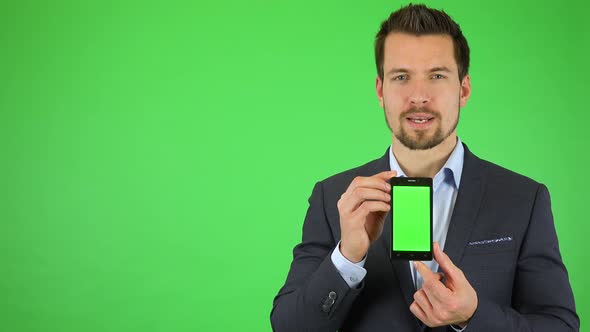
491,245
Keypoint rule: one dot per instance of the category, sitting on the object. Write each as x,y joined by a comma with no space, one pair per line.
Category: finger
444,261
418,312
422,299
361,194
387,175
436,291
371,206
440,276
433,287
369,182
424,271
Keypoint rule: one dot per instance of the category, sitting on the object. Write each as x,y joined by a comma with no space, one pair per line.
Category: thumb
387,175
444,262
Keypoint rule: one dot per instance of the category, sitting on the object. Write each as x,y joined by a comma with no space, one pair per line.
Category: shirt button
354,279
332,295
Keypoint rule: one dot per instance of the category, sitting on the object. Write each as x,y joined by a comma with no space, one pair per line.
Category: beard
420,140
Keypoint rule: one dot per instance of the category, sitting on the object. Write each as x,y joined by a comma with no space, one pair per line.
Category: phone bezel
410,255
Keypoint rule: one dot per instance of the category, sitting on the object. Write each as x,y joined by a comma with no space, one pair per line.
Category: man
496,251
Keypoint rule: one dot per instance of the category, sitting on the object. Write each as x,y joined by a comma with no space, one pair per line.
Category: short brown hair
420,20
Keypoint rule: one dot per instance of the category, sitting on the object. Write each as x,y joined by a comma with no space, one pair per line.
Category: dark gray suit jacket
521,283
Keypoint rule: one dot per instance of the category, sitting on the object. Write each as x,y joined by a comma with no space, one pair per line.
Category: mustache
415,110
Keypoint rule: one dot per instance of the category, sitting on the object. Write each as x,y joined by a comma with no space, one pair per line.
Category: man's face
420,92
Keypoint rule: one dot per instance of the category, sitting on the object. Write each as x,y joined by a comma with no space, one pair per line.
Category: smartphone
411,218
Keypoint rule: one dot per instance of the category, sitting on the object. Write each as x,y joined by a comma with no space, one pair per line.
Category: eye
438,76
400,78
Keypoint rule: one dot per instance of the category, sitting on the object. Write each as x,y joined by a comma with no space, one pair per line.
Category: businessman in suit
497,265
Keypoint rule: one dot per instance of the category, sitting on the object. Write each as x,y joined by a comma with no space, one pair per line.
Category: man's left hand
440,303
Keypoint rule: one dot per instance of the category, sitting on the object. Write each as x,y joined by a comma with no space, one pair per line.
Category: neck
423,163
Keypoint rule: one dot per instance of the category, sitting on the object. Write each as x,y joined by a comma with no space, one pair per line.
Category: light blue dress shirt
445,185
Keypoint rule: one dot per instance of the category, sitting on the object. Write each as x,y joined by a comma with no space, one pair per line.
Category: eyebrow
433,69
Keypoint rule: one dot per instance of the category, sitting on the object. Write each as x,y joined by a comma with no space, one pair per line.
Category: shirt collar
451,170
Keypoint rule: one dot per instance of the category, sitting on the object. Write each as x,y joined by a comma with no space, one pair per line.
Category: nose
419,95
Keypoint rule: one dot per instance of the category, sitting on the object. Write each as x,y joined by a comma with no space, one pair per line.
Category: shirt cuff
352,273
458,328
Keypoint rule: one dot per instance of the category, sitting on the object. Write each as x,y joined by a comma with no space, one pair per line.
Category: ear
379,88
465,91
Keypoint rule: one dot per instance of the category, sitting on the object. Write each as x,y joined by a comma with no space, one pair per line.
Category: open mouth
420,120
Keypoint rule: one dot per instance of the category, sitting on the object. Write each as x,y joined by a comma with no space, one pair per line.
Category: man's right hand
362,210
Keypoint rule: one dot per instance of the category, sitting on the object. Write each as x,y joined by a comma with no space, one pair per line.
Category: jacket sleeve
542,296
314,297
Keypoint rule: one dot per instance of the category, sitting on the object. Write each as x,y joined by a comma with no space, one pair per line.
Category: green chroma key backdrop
157,156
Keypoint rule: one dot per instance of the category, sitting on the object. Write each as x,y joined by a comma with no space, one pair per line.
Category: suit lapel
466,206
400,268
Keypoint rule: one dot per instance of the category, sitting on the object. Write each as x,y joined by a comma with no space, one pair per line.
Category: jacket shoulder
509,184
339,182
500,173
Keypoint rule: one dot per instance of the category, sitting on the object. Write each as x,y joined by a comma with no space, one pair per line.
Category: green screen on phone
411,218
